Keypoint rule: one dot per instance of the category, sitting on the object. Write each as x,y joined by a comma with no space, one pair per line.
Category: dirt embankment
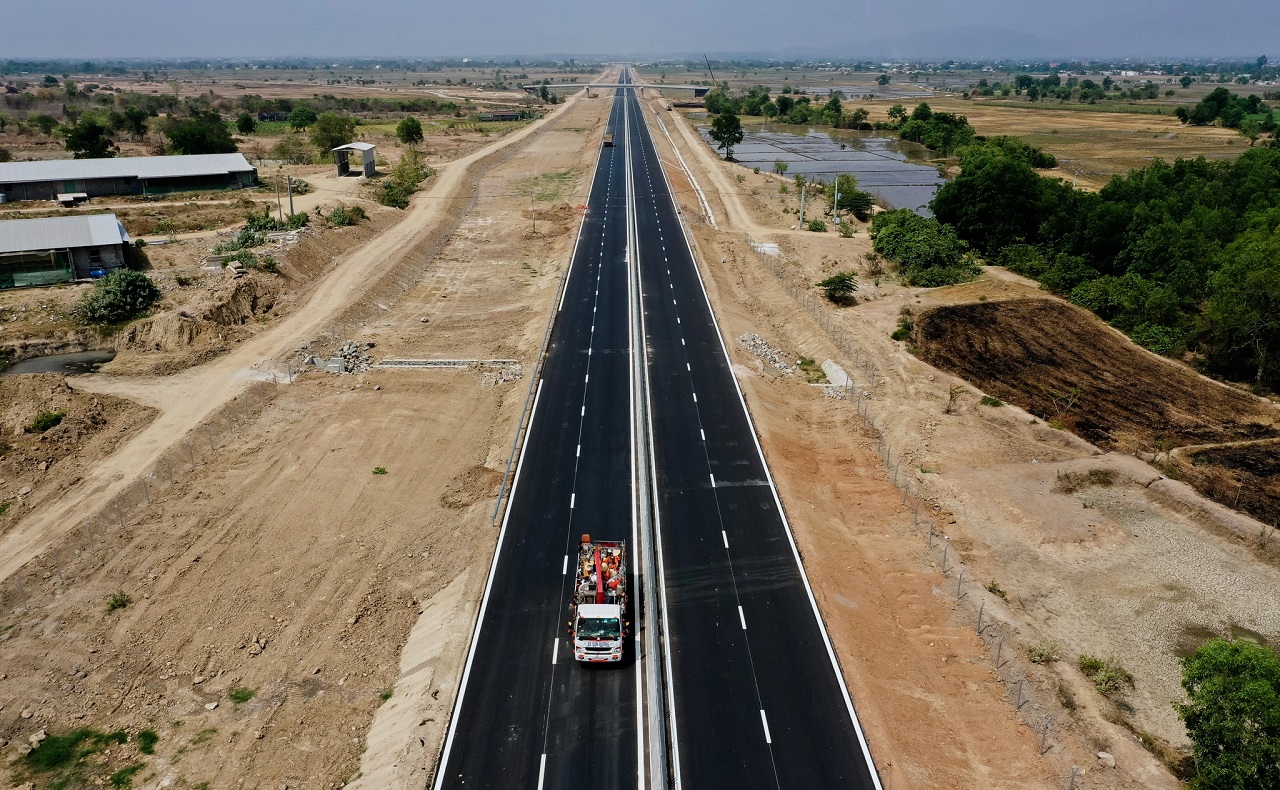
1063,365
37,462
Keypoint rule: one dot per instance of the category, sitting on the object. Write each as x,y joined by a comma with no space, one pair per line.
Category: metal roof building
342,152
59,249
133,175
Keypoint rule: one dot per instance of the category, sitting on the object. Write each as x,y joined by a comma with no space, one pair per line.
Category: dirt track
188,398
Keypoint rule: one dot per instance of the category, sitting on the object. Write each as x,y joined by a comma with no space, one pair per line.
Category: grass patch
61,759
548,187
124,777
45,420
812,371
1071,482
987,400
1043,652
385,695
1109,678
379,470
204,736
241,694
118,600
996,590
147,741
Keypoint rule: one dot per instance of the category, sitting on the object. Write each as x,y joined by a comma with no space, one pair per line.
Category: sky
851,29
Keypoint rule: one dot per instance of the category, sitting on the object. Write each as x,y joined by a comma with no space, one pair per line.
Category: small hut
342,154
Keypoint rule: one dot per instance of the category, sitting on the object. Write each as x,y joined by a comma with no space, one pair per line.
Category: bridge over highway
698,90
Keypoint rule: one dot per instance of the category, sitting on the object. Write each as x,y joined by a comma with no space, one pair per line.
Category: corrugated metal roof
57,233
356,147
123,167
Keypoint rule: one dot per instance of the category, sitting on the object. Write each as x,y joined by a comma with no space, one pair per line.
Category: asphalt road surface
528,715
758,701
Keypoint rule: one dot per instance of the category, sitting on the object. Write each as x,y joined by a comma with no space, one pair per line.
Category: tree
780,167
850,198
302,117
119,296
897,114
294,149
1233,717
409,131
882,80
1243,312
1185,82
994,202
246,123
89,139
202,133
840,287
332,130
926,252
726,130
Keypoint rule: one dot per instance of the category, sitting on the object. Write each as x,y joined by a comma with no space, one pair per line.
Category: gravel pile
757,346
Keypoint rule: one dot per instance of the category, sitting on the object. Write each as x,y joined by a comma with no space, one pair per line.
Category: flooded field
895,172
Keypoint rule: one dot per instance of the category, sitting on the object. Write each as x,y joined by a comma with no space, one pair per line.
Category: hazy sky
849,28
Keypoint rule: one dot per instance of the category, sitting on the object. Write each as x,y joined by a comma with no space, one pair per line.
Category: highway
758,701
527,715
754,692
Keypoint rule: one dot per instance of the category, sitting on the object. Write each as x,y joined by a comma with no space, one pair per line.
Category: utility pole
533,212
290,183
802,190
279,206
835,205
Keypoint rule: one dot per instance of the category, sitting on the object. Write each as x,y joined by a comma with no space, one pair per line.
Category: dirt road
188,398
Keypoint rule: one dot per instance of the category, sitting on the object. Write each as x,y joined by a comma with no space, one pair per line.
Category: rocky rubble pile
757,346
502,375
354,357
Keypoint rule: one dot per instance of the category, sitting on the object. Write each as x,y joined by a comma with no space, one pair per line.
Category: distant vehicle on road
608,141
600,601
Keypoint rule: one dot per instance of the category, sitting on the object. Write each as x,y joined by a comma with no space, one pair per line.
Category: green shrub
241,694
906,325
344,216
817,226
987,400
45,420
244,240
840,287
846,230
403,180
118,600
147,740
928,253
1109,678
1043,652
380,470
120,296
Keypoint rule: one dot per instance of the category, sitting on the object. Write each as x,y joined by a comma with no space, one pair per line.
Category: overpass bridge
698,90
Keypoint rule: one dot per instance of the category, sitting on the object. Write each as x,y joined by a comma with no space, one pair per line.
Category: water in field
76,362
894,171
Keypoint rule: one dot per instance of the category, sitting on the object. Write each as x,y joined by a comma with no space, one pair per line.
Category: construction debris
757,346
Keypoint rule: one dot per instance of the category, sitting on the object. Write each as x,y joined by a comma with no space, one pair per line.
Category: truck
608,141
599,605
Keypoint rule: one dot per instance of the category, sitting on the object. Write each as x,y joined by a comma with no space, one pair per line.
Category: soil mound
470,487
229,304
1064,365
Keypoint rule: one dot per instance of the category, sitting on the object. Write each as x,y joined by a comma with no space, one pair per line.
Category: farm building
501,116
342,158
133,175
60,249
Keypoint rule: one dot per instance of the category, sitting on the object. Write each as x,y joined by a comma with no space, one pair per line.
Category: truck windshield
598,628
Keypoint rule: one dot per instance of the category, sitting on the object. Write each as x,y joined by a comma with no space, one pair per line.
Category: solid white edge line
763,720
808,588
443,763
662,579
742,618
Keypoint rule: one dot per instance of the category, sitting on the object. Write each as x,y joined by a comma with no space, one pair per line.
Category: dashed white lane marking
695,397
583,413
767,737
723,536
687,367
579,453
742,618
703,434
586,378
682,341
572,498
564,568
713,480
555,647
542,767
